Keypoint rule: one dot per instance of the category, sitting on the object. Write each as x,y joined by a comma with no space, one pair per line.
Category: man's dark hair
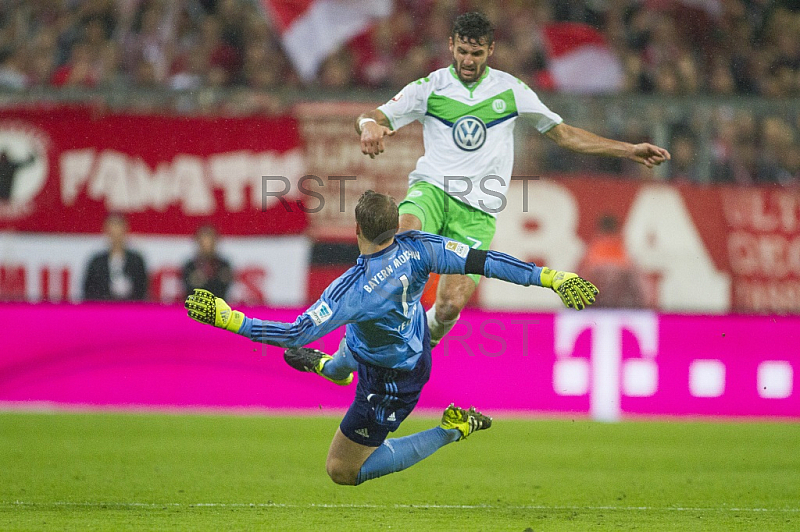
473,27
377,216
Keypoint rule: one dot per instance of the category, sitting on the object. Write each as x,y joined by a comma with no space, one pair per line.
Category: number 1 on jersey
404,297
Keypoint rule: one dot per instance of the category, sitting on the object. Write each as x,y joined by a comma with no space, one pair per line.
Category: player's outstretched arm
372,127
449,256
582,141
574,291
316,322
205,307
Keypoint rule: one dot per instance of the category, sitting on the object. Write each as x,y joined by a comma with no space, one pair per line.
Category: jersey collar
370,256
471,88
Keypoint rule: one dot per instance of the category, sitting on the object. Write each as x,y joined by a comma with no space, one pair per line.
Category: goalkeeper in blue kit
387,340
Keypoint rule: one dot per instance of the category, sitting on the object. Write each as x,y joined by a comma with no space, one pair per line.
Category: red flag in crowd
580,61
313,29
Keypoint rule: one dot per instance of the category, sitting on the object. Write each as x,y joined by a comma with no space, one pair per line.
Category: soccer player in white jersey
468,111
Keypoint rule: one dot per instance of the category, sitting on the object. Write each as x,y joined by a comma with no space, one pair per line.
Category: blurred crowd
148,44
710,143
670,48
665,46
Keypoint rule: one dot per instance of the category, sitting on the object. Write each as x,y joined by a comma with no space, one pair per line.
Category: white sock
438,328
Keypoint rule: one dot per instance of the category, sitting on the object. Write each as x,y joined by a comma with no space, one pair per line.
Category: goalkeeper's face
469,58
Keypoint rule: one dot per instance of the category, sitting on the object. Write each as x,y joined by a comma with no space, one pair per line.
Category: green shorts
441,214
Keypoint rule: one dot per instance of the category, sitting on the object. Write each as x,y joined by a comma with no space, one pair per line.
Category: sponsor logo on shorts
364,433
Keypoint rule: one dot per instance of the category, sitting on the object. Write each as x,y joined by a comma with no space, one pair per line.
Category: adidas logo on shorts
364,433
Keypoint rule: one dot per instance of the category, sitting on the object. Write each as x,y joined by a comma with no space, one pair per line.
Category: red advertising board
706,249
701,248
62,169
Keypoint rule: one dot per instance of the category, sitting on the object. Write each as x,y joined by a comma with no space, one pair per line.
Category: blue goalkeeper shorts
384,398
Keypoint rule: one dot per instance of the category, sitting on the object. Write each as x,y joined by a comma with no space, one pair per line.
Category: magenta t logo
604,375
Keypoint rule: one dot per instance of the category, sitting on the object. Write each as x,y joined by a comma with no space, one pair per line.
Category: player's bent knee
341,473
448,309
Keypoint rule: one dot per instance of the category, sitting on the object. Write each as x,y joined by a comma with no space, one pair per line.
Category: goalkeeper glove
204,307
575,291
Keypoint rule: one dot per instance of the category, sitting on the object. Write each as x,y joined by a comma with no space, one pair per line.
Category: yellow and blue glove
575,291
205,307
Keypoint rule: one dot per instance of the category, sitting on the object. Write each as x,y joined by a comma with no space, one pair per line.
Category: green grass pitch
71,471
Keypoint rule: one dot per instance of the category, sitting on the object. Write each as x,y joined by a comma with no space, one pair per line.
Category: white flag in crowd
313,29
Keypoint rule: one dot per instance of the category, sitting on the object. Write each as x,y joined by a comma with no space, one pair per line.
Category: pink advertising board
604,364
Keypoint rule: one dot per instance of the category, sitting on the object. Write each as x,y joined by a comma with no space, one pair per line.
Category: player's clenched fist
575,291
649,155
205,307
372,135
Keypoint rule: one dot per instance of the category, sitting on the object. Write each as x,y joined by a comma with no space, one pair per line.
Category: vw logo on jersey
469,133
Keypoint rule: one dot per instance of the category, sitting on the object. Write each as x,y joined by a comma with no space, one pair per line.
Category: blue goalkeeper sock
341,365
399,453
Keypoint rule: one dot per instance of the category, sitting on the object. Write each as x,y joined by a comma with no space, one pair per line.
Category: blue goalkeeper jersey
378,299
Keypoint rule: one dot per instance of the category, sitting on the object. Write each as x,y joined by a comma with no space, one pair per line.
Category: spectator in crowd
145,75
335,72
620,283
149,43
780,54
777,157
379,56
42,61
80,71
12,70
683,166
207,270
733,148
188,72
721,81
224,59
119,273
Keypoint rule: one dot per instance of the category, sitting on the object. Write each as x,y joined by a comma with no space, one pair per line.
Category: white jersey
468,131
